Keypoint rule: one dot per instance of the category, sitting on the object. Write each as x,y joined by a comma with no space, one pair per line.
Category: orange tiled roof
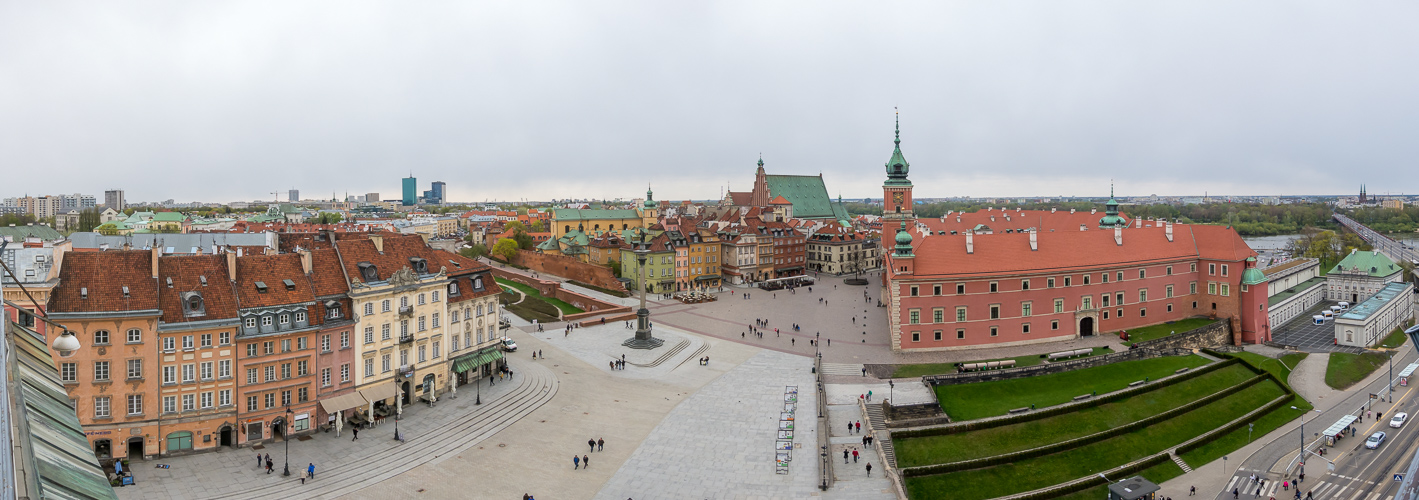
186,273
1022,219
271,270
105,274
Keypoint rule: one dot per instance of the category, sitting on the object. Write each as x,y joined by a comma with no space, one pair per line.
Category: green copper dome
1253,276
1111,217
904,238
904,244
897,166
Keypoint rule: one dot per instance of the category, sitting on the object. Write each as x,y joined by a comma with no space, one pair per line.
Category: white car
1375,440
509,345
1398,420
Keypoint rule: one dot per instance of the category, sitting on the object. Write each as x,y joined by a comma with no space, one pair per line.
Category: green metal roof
19,233
1299,288
1253,276
807,193
559,214
1373,304
1374,263
168,217
897,166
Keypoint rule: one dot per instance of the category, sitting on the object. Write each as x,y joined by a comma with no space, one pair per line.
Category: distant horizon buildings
113,198
411,186
293,195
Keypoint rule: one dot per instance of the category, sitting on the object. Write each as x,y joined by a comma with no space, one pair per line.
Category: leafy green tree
615,266
474,251
108,229
538,226
89,219
505,249
328,218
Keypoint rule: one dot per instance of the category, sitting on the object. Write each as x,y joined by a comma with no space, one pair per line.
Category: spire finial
898,112
761,158
1111,188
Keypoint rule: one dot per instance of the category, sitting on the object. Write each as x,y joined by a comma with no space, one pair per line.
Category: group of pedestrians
584,461
619,364
265,462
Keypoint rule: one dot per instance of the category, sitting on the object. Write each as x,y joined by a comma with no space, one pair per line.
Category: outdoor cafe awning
1340,425
380,392
343,402
477,359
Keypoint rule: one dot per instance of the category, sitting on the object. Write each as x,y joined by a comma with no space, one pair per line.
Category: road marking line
1341,493
1358,493
1233,482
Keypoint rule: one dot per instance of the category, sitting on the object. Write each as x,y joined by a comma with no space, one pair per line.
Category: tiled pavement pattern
1305,335
719,443
342,465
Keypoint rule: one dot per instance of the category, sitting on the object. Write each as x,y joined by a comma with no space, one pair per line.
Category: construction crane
276,195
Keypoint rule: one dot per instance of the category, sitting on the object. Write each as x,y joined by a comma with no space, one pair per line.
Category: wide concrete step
854,369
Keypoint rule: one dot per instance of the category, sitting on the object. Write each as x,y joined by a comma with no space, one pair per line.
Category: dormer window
169,282
453,289
261,287
368,271
125,292
193,305
84,293
202,279
420,265
478,283
290,285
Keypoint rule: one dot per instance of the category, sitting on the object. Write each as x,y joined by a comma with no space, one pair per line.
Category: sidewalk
344,465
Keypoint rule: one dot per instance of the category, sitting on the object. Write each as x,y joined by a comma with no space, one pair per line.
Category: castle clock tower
896,196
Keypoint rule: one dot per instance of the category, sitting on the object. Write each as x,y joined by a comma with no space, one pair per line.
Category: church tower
896,195
759,196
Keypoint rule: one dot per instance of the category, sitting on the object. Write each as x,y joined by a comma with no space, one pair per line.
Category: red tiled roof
739,199
186,273
780,200
271,270
1022,219
1064,250
105,274
326,277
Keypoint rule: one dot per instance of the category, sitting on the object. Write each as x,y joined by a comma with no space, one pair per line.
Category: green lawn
1280,368
1345,369
532,293
948,448
1159,331
1090,459
988,399
1238,438
1395,338
1095,493
918,370
529,309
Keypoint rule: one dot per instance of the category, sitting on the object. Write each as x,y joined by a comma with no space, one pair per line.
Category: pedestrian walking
864,371
864,441
258,461
854,455
869,469
585,462
310,470
859,426
1235,495
849,431
539,354
869,395
576,462
356,432
269,464
1191,491
600,443
592,444
845,455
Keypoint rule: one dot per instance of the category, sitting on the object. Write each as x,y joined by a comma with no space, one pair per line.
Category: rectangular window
1142,312
224,368
434,318
936,290
100,371
1226,290
324,343
384,306
960,288
1143,295
302,368
1192,288
1119,313
994,331
1106,314
1049,283
189,373
135,368
369,367
913,290
344,340
936,334
995,311
916,336
1142,273
1211,288
1224,269
270,400
224,397
345,371
1170,308
269,347
101,407
1066,281
206,340
301,343
1168,291
915,315
135,336
69,372
1024,284
270,373
206,368
135,404
285,319
285,371
1118,299
285,345
1058,306
187,342
251,403
1027,308
421,324
169,404
385,363
189,402
994,287
960,334
169,344
938,315
207,400
251,350
1105,300
1086,279
265,321
1192,268
301,395
325,377
436,349
369,309
1120,276
251,322
1169,270
250,376
369,335
1211,269
1104,277
1025,328
1088,302
1054,325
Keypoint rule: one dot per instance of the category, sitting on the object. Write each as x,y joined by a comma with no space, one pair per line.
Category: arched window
178,441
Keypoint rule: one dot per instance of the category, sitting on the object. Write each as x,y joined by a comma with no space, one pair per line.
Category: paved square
1305,335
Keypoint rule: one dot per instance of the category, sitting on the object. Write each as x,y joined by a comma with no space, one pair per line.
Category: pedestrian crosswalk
842,369
1246,488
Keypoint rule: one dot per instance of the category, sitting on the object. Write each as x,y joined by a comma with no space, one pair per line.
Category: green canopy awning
474,360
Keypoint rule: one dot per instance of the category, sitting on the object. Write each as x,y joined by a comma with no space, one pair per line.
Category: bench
1019,410
1136,384
1182,370
1081,398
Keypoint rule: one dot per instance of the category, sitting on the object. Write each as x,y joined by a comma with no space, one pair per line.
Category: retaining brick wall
569,268
554,289
1218,333
1048,368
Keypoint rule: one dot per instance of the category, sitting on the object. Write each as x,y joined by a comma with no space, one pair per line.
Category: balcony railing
406,339
406,310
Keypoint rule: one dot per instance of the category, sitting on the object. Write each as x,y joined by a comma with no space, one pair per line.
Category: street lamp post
397,394
478,387
286,436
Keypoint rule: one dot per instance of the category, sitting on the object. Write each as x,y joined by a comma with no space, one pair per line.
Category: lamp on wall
66,344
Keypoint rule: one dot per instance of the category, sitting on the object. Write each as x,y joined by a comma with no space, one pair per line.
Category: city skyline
513,102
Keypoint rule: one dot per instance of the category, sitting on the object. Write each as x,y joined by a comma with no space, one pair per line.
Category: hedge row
980,463
1082,484
972,425
1221,431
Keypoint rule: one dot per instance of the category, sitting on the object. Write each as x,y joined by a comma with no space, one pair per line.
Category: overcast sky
223,101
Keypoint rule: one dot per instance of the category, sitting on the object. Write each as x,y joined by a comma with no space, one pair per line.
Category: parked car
1375,440
1398,420
509,345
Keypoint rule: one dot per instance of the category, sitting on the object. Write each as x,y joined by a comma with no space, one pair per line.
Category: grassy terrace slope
990,399
917,370
532,293
1236,439
929,450
1345,369
1147,333
1035,473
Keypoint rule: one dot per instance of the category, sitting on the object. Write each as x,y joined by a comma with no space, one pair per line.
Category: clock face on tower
897,198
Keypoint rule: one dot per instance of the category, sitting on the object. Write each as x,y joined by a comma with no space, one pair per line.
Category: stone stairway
878,422
680,346
842,369
457,432
1178,460
696,354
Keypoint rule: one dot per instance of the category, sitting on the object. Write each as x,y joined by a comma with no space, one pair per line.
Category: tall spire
761,160
897,166
898,140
